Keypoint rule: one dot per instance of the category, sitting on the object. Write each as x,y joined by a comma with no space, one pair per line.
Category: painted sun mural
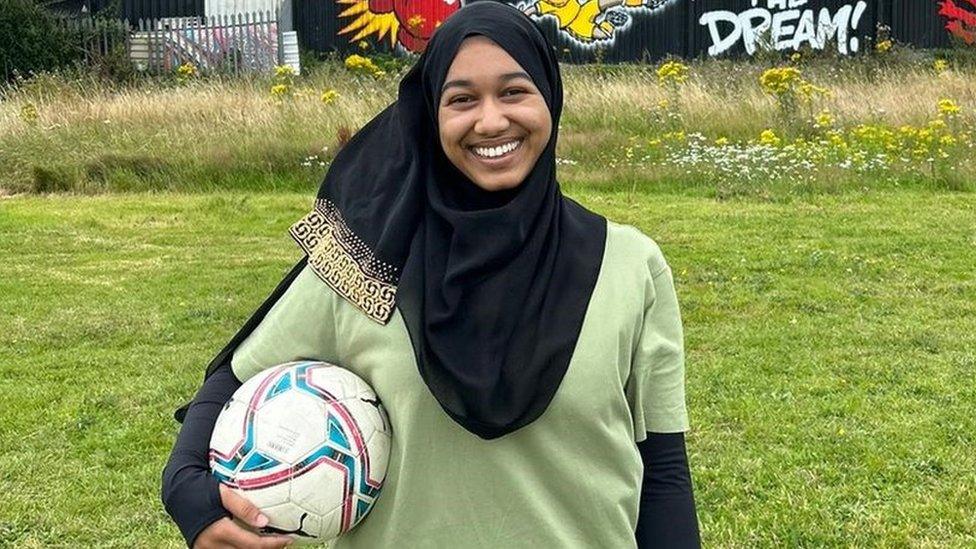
409,23
961,19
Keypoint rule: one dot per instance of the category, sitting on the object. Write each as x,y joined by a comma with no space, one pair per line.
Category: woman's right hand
225,533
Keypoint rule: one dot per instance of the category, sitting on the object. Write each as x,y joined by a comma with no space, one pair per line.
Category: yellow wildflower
186,70
722,141
363,45
836,138
947,141
883,46
795,57
358,63
824,119
768,137
780,80
28,113
672,72
663,104
808,90
328,96
948,107
278,91
908,131
940,66
284,71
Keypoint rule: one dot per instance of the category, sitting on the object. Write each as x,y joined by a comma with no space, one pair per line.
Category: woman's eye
457,99
514,91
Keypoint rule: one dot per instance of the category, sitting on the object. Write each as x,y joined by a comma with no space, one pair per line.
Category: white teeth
492,152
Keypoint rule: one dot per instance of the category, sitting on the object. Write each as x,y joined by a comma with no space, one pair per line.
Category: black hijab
493,287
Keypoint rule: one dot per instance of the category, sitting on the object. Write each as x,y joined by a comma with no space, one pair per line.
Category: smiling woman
493,122
528,351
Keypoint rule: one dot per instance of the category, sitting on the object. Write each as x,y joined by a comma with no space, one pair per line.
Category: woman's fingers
242,539
226,534
241,508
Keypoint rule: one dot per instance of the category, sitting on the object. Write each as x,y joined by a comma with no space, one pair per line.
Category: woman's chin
495,185
498,180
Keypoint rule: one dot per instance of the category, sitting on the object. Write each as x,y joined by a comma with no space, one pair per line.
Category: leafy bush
30,39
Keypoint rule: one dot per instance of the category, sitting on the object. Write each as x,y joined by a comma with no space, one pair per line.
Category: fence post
233,39
105,37
249,52
151,44
208,38
127,37
220,36
275,27
245,41
159,51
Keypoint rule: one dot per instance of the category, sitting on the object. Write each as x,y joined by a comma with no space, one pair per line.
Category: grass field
825,274
831,356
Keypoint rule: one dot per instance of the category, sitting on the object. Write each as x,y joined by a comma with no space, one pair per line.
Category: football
308,443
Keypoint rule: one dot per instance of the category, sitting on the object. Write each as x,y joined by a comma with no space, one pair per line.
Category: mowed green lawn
831,356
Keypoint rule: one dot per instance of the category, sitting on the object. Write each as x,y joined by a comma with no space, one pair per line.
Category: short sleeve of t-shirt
656,387
299,326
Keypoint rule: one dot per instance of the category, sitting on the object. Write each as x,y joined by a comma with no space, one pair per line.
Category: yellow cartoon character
587,20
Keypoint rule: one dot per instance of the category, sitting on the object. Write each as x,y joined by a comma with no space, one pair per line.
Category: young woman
529,352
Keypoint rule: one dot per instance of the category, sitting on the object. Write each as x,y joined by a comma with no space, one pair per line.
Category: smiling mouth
499,151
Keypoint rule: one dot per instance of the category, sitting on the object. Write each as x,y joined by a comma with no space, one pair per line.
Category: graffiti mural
788,27
623,30
590,21
408,23
961,19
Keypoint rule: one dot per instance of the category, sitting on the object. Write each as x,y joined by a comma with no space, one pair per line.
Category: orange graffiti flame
962,22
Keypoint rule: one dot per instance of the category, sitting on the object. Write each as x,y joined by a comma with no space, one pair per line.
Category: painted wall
624,30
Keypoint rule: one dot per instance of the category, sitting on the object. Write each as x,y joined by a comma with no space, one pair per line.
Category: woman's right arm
193,497
296,321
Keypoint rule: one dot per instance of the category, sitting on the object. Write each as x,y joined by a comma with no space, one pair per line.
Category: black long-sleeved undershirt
190,493
667,516
666,519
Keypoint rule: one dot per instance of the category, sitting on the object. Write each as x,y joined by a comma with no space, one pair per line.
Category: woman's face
492,120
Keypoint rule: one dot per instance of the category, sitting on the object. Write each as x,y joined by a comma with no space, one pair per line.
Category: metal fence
230,44
95,38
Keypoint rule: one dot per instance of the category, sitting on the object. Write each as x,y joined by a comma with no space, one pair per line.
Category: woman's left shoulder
628,245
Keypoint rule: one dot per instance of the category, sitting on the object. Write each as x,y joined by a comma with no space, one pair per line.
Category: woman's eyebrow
467,83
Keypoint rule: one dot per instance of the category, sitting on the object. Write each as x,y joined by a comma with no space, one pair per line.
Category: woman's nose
492,118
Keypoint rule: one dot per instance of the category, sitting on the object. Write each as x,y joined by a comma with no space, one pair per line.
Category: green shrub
30,39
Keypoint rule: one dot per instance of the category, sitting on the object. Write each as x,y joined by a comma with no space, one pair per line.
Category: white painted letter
782,34
719,43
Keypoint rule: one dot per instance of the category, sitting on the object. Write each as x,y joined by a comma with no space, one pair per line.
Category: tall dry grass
88,135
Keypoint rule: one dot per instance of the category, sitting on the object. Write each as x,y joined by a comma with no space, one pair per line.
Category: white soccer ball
308,443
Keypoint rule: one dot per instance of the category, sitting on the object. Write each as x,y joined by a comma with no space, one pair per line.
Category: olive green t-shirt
570,479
